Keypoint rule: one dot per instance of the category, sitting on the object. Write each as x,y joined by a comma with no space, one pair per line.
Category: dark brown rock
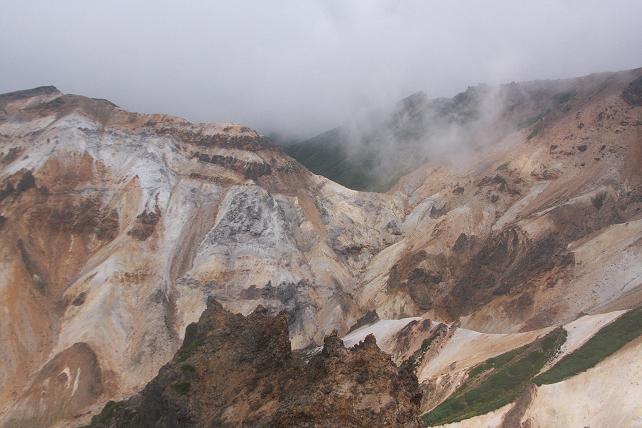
632,94
240,371
368,318
145,224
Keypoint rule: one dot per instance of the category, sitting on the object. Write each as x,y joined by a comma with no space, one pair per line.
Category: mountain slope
117,227
529,232
373,152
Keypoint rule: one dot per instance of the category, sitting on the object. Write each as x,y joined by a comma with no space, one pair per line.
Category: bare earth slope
527,232
116,227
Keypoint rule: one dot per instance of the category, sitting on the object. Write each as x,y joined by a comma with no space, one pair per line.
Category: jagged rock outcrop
240,371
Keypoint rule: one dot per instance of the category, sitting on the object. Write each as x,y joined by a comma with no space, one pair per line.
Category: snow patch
383,331
75,388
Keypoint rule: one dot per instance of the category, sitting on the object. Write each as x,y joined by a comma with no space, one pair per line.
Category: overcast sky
298,66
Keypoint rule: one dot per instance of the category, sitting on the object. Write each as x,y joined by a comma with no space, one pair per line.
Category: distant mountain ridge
373,154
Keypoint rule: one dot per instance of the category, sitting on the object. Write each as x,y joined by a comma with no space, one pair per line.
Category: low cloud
301,67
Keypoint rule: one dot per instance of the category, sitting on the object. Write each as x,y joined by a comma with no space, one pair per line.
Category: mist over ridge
301,68
372,151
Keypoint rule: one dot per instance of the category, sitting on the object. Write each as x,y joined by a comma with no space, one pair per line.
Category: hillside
372,152
485,265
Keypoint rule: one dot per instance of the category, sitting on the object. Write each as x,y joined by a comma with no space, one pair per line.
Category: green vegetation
187,350
564,97
181,388
108,412
327,155
604,343
537,122
533,133
418,356
598,200
493,363
188,369
497,381
533,119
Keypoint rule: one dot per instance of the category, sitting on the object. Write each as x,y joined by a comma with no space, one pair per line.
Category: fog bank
301,67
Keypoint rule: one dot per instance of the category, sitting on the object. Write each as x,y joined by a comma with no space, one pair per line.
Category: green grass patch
497,381
493,363
605,342
181,388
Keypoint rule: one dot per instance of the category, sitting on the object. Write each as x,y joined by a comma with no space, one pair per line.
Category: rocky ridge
234,371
